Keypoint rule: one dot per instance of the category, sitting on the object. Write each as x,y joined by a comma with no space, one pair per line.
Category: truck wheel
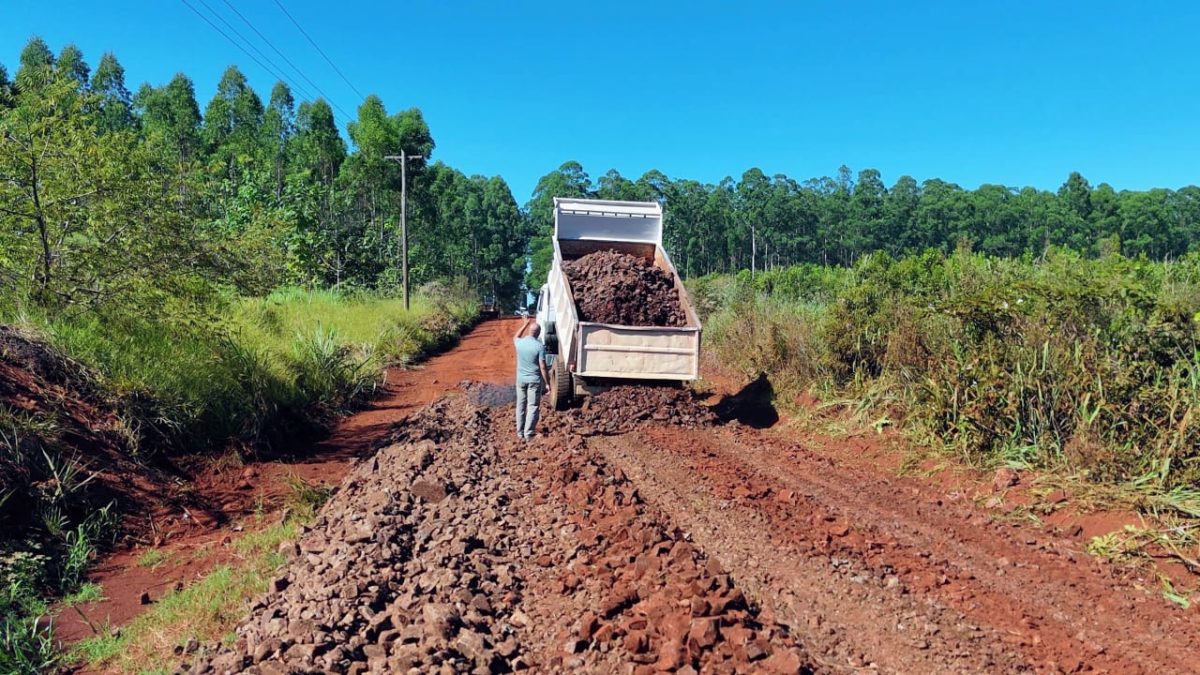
560,386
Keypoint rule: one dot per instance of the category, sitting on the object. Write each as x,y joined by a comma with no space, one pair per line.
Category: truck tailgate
644,353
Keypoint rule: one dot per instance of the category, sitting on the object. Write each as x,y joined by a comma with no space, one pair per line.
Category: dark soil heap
623,289
621,409
54,413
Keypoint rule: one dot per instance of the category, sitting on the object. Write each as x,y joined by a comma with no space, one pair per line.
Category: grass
305,498
252,369
153,558
205,610
87,593
208,609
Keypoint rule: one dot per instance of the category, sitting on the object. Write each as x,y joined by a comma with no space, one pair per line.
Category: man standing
532,380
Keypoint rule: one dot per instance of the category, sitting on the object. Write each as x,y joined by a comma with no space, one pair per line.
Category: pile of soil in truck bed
623,289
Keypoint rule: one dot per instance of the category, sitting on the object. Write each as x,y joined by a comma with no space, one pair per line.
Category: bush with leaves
1087,364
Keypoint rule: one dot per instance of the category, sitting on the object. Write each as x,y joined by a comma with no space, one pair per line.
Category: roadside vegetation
269,370
1085,367
178,282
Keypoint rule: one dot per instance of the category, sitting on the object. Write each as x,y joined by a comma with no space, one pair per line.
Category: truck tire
560,385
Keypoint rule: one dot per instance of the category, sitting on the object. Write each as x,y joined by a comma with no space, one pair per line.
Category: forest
105,188
110,195
768,222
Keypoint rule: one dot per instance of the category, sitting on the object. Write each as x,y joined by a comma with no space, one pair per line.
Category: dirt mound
410,565
623,289
57,426
624,407
643,598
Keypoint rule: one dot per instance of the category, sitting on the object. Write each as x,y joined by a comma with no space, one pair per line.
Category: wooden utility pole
753,250
403,158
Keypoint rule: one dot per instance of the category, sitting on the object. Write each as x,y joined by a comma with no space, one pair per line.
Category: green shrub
1088,364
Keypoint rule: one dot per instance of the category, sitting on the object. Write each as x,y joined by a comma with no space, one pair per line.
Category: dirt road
643,534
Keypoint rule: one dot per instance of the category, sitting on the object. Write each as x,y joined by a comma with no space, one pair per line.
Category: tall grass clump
251,370
1092,365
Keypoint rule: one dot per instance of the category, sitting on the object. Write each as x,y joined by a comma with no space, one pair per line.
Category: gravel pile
456,549
408,568
623,289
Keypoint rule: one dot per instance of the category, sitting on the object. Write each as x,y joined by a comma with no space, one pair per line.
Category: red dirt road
875,571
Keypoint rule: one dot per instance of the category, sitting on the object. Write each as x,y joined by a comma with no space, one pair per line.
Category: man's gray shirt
530,352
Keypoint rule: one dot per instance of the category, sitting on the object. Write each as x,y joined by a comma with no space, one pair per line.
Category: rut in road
868,569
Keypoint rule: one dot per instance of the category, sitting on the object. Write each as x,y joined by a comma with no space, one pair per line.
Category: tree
613,185
116,103
900,215
171,116
84,223
6,89
71,65
232,125
279,124
1077,194
318,150
751,228
36,65
865,231
502,250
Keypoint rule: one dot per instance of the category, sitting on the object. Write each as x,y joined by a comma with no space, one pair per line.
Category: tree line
108,194
767,222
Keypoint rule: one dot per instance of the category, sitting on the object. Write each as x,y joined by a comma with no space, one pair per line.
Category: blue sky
1018,93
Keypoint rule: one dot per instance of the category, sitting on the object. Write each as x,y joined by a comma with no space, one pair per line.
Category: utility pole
403,158
753,250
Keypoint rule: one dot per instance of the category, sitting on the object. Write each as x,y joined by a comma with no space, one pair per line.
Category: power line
303,92
235,43
231,40
286,59
319,50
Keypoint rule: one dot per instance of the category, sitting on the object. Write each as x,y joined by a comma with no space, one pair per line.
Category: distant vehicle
488,308
588,356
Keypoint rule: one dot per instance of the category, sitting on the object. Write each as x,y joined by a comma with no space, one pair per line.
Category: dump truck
587,357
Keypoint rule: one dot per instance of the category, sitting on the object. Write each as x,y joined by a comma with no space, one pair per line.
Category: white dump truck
586,356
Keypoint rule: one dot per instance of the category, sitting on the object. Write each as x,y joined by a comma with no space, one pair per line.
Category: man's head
535,330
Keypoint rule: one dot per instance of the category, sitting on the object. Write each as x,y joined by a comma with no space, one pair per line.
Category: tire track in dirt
850,560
